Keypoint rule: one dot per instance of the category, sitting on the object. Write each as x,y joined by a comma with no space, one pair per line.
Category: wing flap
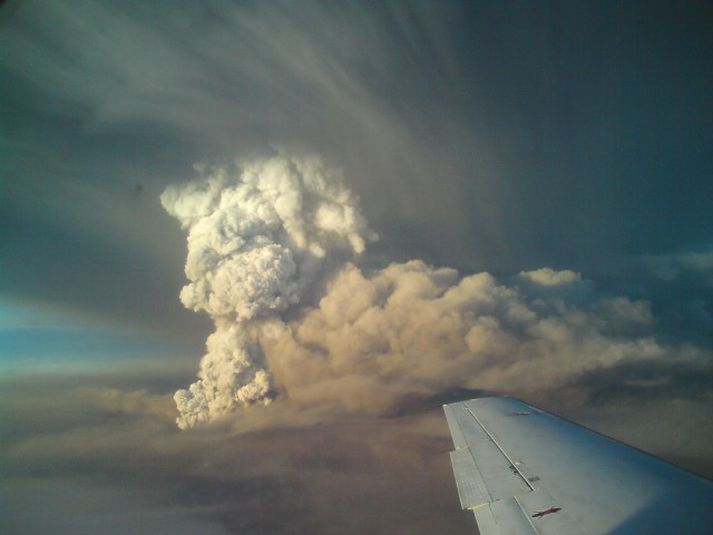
497,473
510,518
456,433
469,482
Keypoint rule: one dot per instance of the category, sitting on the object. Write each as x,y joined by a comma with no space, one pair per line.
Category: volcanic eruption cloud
270,244
258,238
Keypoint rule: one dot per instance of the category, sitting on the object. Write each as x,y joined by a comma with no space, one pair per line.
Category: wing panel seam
497,445
525,514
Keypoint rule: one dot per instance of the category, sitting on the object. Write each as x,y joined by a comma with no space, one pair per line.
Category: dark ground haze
104,460
107,458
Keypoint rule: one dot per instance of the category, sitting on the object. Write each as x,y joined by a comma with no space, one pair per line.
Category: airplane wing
522,470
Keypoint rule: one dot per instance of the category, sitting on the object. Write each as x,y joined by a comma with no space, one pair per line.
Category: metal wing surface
522,470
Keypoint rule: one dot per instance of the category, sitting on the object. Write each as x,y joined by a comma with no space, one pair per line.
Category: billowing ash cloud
259,236
263,239
411,330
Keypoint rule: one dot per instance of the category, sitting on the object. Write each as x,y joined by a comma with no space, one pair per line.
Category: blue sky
39,340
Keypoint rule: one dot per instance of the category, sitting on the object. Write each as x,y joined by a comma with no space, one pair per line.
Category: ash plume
277,235
259,235
410,330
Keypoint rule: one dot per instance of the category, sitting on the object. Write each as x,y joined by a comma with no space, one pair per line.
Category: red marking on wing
540,514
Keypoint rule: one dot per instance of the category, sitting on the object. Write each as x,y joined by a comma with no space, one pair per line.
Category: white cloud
549,277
